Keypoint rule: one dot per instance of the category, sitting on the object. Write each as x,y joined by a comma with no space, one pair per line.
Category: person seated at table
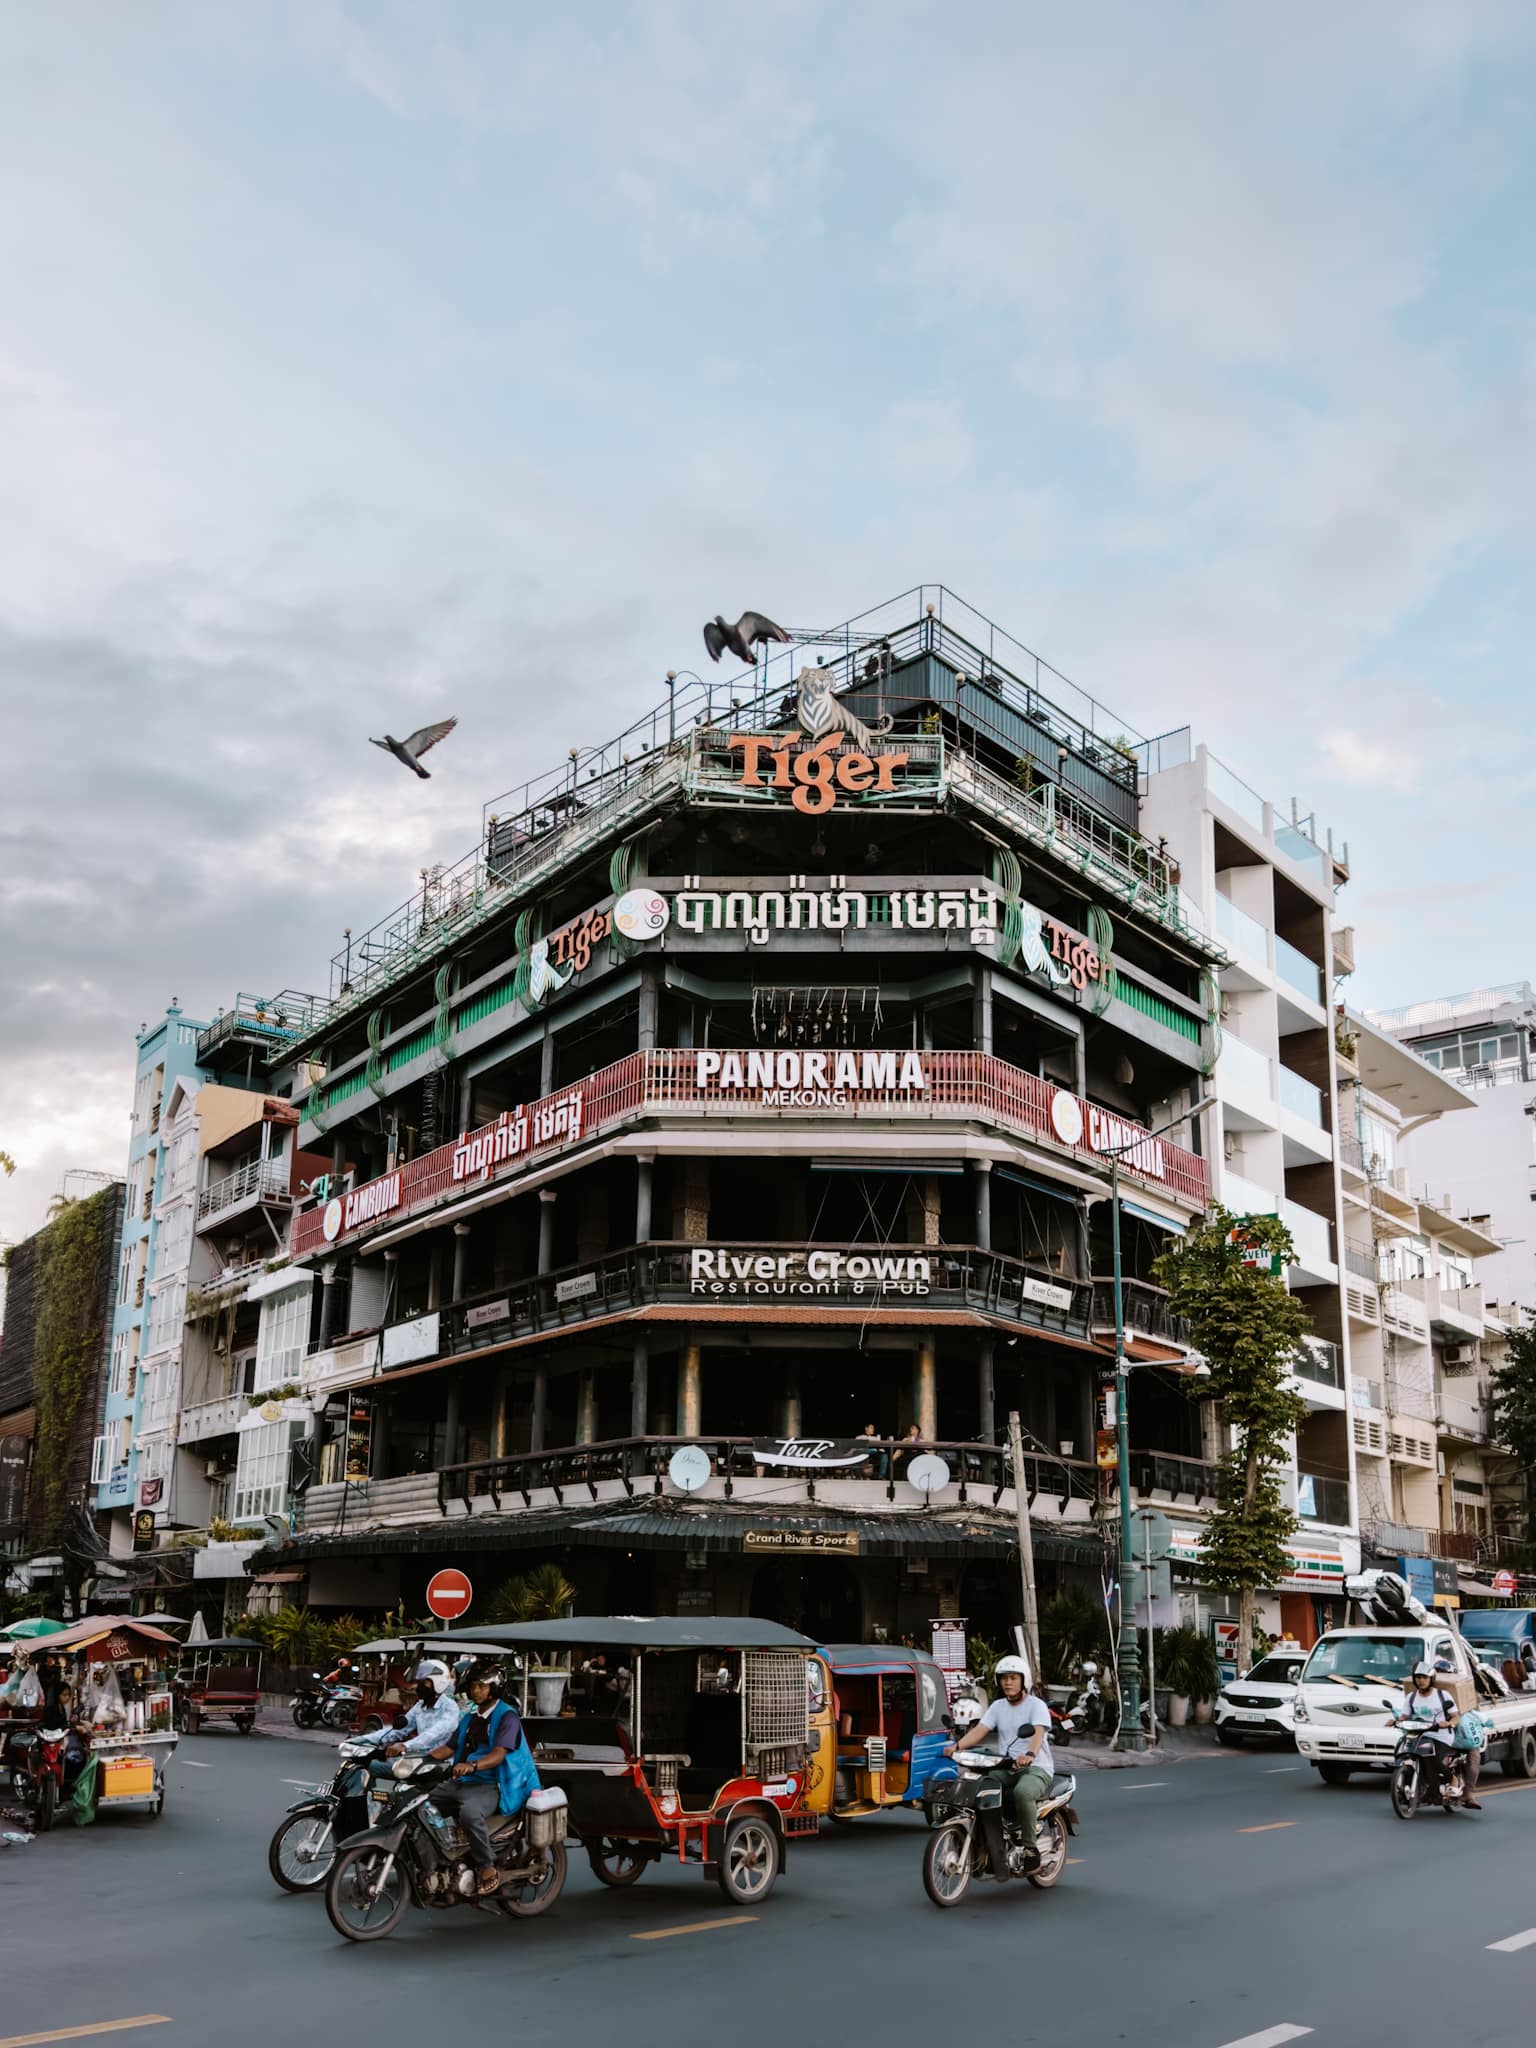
877,1464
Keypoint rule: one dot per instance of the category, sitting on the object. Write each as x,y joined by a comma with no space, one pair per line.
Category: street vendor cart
693,1745
115,1668
218,1680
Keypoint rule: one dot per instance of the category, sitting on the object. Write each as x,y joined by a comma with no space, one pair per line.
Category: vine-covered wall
55,1347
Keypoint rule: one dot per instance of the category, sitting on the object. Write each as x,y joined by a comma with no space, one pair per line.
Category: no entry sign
448,1595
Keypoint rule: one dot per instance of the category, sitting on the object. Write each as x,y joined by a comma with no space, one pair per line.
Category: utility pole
1026,1543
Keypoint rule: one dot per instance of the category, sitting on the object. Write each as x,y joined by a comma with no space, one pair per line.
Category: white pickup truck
1352,1684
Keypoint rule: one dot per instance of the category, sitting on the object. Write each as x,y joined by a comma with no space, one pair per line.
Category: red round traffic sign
448,1595
1504,1582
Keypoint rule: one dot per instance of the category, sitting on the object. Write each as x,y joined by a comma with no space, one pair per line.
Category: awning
1481,1589
1151,1216
1038,1186
276,1578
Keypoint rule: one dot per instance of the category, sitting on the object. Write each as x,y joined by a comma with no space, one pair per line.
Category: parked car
1260,1703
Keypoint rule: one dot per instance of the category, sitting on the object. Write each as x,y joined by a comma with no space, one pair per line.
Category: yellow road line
145,2019
1268,1828
1483,1792
651,1934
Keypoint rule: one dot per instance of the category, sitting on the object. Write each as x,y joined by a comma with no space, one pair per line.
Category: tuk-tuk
219,1680
693,1739
882,1734
112,1663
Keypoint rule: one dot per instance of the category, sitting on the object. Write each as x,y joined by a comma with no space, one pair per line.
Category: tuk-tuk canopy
95,1628
888,1660
396,1646
218,1643
637,1632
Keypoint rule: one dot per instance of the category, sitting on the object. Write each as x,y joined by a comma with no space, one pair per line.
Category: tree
1249,1328
7,1164
544,1594
1514,1412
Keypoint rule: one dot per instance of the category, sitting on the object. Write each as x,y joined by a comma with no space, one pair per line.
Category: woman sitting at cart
77,1736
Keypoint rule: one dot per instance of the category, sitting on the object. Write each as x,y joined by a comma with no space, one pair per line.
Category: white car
1262,1702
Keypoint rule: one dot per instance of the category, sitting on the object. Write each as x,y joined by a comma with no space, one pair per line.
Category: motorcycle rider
487,1780
434,1719
1021,1724
1426,1701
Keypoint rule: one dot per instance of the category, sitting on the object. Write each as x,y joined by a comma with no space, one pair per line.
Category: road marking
1074,1859
191,1767
1270,2038
1152,1785
1506,1947
1483,1792
302,1783
666,1933
1268,1828
145,2019
1281,1770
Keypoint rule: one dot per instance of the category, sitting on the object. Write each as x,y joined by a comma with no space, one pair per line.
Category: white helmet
965,1713
437,1672
1424,1669
1014,1664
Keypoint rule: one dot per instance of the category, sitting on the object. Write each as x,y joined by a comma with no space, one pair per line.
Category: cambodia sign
556,1119
375,1198
974,910
731,1271
818,1542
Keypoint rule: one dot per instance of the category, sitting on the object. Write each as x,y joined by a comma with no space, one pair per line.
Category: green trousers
1026,1789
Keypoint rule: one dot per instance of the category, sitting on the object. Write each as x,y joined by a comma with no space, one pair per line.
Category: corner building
750,1084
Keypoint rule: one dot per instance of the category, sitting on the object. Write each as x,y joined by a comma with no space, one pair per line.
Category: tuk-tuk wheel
616,1863
749,1859
191,1719
245,1723
47,1802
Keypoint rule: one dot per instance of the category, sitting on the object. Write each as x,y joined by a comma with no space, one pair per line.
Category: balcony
1301,1098
262,1180
1243,1068
1322,1498
1361,1260
1243,935
1246,1197
1369,1394
1298,972
1162,1477
1320,1362
266,1023
1454,1312
830,1283
1144,1306
1399,1539
826,1096
1467,1415
205,1420
1410,1397
1404,1315
1312,1237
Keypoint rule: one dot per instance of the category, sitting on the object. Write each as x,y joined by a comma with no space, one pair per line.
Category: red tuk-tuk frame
228,1692
705,1754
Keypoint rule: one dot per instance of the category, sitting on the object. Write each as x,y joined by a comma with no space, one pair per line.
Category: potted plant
1186,1661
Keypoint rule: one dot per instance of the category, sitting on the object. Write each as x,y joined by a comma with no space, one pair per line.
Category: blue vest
515,1775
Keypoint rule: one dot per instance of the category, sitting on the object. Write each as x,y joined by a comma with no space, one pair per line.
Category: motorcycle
303,1848
307,1702
36,1760
972,1836
415,1855
1089,1709
1063,1726
1425,1773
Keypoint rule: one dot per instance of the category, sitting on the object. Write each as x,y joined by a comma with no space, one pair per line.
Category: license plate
1350,1741
1246,1714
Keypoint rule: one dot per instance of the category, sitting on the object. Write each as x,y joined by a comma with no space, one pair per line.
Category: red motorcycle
35,1757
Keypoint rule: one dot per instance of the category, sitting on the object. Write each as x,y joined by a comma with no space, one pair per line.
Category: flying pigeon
418,743
751,629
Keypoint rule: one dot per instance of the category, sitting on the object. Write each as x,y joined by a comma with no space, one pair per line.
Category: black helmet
487,1675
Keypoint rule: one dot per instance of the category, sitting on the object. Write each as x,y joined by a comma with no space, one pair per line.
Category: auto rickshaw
131,1737
693,1741
219,1680
882,1733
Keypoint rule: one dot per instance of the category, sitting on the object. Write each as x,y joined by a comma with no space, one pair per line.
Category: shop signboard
813,1453
143,1529
1045,1291
404,1343
812,1542
577,1288
484,1313
1225,1637
735,1270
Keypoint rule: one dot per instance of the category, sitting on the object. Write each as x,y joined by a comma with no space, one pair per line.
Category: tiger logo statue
821,713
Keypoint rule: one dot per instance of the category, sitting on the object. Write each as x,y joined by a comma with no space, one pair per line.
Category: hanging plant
72,1272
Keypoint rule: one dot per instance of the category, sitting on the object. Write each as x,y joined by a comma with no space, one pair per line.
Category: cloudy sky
363,362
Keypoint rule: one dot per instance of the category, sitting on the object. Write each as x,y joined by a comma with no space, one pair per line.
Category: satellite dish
689,1468
928,1474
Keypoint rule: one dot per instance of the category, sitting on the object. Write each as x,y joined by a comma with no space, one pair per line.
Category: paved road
1217,1900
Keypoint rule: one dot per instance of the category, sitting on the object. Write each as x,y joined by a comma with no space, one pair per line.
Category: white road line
1152,1785
303,1784
196,1767
1511,1942
1281,1770
1271,2037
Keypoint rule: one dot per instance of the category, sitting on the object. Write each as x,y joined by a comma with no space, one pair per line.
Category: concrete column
547,1063
925,1390
696,1201
930,1211
547,1200
434,1278
789,1408
540,1405
645,1172
690,1391
327,1303
460,1258
650,1006
378,1449
451,1430
981,1010
981,1181
986,1391
586,1408
501,1435
338,1162
640,1389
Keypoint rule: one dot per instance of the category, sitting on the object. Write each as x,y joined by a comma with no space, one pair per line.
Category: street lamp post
1130,1736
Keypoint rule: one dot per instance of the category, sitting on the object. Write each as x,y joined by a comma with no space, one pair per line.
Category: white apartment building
1261,883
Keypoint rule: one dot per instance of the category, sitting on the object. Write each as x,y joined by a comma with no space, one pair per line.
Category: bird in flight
751,629
418,743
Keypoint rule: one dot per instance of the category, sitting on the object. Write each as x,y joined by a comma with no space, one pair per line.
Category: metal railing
1321,1498
1319,1360
279,1019
1362,1261
1301,1098
263,1180
1145,1307
1244,934
1156,1473
1297,971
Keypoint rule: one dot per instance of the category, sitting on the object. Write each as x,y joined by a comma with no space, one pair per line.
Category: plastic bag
1471,1731
30,1692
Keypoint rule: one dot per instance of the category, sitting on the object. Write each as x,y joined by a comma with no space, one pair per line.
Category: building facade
1264,887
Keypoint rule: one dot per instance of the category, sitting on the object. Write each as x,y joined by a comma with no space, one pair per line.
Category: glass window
167,1314
119,1379
261,1473
1276,1671
1379,1143
1378,1660
282,1339
125,1275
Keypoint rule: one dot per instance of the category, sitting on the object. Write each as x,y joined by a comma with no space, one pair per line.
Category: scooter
972,1837
1425,1772
415,1855
307,1702
1063,1726
37,1772
303,1847
1088,1707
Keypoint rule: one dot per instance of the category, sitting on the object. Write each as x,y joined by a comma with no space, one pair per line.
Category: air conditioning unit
211,1468
1459,1357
